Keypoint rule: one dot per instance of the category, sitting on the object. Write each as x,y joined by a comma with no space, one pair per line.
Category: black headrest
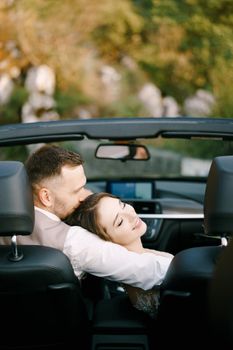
218,203
16,201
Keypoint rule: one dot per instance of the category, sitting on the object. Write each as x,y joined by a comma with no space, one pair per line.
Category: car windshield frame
151,132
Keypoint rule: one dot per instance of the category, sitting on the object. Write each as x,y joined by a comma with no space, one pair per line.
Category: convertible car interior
178,175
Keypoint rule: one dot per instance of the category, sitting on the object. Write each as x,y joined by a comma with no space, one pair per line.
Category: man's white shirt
90,254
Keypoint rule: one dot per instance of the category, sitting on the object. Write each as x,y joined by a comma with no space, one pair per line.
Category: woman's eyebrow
114,221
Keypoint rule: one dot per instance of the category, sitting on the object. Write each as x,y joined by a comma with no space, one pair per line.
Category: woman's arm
158,252
89,253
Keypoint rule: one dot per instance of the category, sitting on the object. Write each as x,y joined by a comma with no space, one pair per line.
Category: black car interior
219,222
196,286
39,289
43,304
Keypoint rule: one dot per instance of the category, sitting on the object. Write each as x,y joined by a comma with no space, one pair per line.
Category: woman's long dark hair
86,215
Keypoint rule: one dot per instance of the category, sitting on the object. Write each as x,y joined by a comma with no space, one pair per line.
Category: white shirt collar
47,213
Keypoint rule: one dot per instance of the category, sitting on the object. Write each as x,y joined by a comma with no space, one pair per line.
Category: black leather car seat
185,290
221,286
41,302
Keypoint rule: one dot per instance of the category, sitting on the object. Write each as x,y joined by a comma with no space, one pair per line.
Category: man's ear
45,197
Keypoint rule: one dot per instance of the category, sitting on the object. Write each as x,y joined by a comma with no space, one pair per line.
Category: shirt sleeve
89,253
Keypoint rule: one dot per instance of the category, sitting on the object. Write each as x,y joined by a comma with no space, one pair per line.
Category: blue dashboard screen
132,190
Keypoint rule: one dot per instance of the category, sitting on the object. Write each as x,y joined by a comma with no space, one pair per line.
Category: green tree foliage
11,111
185,41
180,45
68,100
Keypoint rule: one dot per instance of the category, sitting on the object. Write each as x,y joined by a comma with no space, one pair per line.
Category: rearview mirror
122,152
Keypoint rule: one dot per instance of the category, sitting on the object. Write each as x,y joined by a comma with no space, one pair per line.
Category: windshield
169,158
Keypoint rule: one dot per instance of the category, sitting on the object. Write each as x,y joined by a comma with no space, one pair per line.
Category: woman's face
120,221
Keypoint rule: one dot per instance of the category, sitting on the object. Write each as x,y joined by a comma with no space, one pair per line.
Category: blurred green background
178,45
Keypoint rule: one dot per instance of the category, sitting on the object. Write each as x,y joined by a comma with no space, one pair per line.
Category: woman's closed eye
120,222
123,204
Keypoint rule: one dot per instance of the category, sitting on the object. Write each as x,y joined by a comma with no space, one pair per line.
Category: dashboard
132,189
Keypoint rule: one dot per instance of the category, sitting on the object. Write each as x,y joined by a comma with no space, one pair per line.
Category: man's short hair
47,162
